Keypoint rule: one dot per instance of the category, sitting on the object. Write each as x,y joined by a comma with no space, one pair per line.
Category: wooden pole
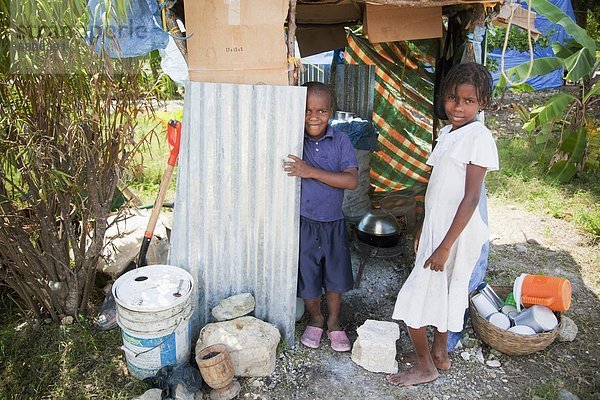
291,39
173,28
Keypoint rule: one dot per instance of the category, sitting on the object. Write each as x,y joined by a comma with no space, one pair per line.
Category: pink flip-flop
312,337
339,340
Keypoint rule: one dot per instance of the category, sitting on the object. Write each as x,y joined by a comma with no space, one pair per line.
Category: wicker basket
507,342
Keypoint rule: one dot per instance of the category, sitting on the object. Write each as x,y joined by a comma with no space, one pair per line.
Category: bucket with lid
550,291
154,308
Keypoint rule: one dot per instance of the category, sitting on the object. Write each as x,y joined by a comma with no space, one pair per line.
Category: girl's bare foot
413,376
440,363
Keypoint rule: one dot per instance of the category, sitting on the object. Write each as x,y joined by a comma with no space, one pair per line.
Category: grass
39,361
146,174
522,180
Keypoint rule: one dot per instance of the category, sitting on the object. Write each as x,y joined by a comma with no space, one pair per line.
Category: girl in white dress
449,242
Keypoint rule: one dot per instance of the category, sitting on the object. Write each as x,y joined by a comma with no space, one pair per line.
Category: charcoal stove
368,251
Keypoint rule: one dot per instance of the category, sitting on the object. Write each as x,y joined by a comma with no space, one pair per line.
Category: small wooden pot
215,366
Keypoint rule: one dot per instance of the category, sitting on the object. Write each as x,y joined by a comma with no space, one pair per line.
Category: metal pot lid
379,223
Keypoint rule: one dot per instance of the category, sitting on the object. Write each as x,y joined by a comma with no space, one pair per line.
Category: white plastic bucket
153,311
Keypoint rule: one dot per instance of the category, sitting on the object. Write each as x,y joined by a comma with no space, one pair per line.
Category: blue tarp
362,133
513,58
136,35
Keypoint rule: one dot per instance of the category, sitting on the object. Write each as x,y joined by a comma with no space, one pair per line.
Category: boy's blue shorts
324,260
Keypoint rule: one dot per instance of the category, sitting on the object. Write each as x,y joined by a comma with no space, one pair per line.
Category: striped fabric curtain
403,109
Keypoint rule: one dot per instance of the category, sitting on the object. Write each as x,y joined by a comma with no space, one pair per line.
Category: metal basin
378,228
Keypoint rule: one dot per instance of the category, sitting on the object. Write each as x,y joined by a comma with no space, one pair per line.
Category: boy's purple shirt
334,153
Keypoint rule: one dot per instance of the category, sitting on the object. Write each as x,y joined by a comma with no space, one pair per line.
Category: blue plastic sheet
136,35
512,58
362,133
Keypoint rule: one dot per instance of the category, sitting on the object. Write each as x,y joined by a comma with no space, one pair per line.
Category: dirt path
324,374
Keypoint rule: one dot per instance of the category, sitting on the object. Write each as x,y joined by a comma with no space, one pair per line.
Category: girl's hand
297,167
437,260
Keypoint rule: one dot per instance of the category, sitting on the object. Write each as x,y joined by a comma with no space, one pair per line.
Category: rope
502,72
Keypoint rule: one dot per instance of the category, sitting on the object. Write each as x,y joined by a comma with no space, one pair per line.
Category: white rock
68,320
564,394
252,344
234,307
568,330
521,249
493,363
479,356
151,394
375,348
124,237
465,355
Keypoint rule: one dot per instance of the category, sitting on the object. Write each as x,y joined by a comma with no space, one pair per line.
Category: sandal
339,341
312,337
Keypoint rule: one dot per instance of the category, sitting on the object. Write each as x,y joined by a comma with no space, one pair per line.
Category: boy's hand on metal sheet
438,259
297,167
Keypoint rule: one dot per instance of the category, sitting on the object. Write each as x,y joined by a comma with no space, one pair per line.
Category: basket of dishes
521,319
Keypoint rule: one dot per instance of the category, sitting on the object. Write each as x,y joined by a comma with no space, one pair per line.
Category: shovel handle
174,137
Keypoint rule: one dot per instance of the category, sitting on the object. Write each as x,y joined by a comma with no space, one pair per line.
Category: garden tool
107,318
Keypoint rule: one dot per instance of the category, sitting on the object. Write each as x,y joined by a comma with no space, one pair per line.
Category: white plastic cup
500,320
522,330
483,305
539,318
506,309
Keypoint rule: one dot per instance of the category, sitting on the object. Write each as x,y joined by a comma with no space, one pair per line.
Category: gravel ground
302,373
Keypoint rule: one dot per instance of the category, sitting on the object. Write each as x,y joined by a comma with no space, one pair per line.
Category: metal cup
489,293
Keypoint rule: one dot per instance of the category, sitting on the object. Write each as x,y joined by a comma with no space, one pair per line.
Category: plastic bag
173,63
177,382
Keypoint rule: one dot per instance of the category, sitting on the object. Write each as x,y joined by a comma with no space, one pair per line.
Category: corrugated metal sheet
236,217
354,89
354,86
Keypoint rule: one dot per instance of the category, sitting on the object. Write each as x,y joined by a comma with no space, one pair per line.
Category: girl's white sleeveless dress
440,298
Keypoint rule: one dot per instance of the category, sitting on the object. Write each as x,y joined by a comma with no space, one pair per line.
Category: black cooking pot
378,228
378,241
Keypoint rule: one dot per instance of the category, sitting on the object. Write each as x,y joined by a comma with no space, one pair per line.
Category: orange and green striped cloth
402,109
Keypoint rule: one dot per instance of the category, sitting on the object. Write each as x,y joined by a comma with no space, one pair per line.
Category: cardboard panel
393,23
339,12
276,76
236,39
319,39
519,19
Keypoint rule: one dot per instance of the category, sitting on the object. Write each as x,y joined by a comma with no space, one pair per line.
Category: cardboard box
277,76
392,23
319,39
237,41
520,16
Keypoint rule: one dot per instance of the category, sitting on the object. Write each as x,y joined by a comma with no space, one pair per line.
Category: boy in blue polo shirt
328,166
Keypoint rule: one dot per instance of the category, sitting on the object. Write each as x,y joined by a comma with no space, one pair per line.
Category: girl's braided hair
472,74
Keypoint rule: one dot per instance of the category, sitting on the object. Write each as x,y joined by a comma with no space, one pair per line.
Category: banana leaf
562,171
594,91
580,64
559,17
541,66
553,110
565,50
574,143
